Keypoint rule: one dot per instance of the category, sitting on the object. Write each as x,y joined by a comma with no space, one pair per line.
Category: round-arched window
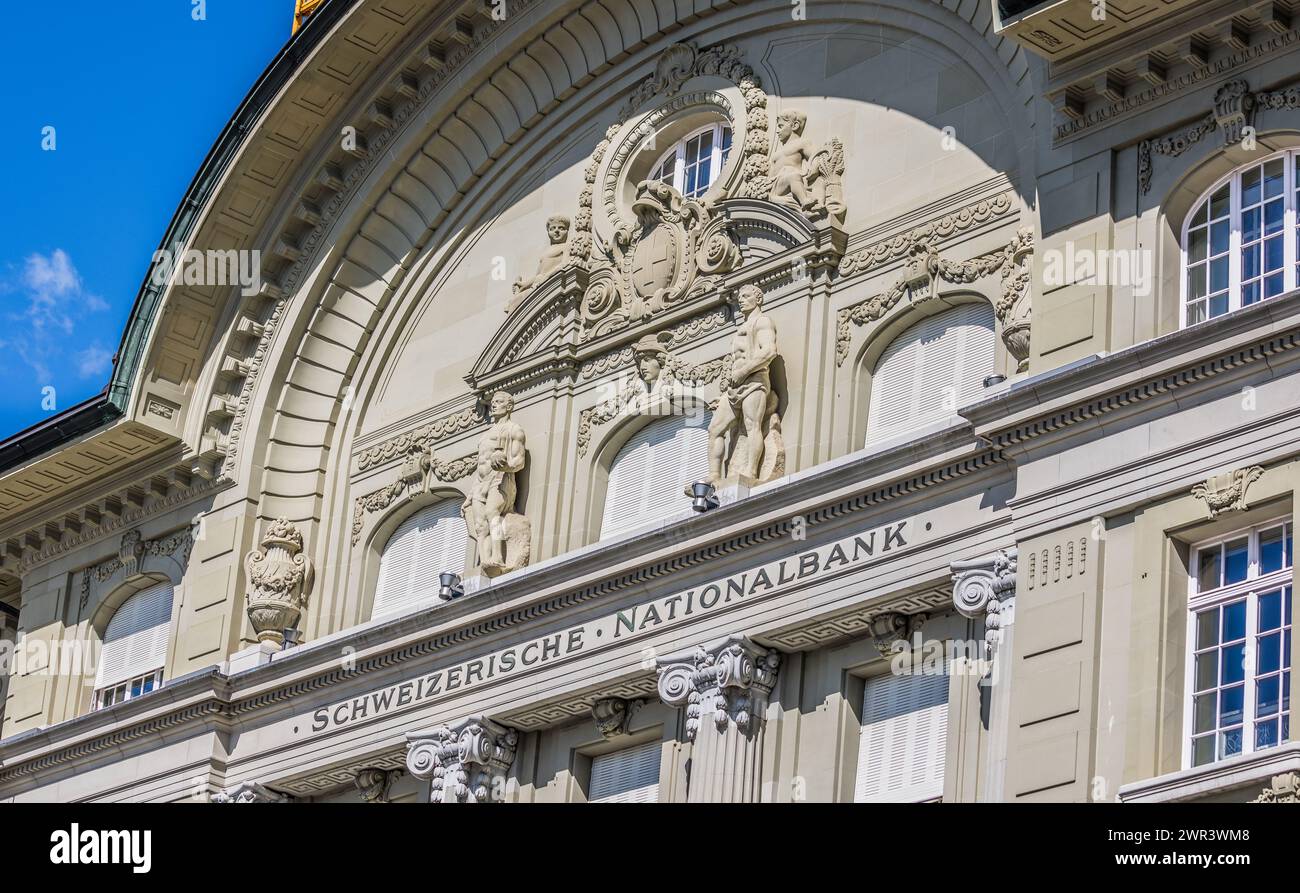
930,370
694,163
1239,242
432,541
134,651
648,477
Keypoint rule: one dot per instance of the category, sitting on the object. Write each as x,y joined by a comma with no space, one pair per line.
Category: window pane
1219,304
1273,285
1232,665
1270,552
1249,187
1273,213
1266,696
1230,743
1220,202
1249,293
1250,225
1266,734
1196,313
1202,215
1218,274
1269,659
1250,262
1270,611
1207,628
1273,254
1219,233
1236,562
1203,751
1273,178
1205,710
1198,241
1196,282
1208,575
1234,621
1207,670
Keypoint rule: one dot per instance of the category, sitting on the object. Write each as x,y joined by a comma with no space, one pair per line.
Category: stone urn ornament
280,578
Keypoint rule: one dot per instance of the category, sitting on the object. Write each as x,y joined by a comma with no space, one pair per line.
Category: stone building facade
689,400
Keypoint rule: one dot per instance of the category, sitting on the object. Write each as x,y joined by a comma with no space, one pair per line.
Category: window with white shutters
430,542
626,776
648,477
931,369
904,736
134,650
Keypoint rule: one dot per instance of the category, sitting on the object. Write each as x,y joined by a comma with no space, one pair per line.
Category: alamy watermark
211,267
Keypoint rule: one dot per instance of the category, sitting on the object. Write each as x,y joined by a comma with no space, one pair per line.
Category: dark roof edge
112,402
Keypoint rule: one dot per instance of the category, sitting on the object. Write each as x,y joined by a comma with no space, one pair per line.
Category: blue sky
136,91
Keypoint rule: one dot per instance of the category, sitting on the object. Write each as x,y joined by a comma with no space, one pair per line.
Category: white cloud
50,299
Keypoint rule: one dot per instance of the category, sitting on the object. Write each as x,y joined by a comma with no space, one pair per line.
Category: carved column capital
730,679
612,715
986,587
250,792
466,762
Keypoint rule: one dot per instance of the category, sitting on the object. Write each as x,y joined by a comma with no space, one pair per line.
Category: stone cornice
1046,406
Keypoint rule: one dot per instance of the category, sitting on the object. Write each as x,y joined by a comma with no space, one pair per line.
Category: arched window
431,541
694,163
134,654
649,475
1239,243
931,369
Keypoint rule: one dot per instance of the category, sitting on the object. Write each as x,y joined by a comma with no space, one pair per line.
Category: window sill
1250,771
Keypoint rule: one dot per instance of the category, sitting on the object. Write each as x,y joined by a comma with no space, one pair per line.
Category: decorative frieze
280,579
131,551
1225,493
464,763
866,259
925,267
424,437
986,588
250,792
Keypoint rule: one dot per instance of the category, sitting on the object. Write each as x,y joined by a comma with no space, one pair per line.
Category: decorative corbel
892,626
1283,788
612,715
373,783
1225,493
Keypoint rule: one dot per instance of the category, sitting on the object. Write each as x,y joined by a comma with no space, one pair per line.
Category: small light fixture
291,637
704,496
992,381
449,586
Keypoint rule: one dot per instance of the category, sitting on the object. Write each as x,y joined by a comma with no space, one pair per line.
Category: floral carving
1227,492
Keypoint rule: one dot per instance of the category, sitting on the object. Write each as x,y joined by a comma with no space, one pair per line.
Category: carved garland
423,437
634,400
943,228
1234,110
1011,307
129,553
416,471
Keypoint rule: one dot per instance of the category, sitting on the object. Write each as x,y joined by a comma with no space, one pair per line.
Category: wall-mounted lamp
704,496
291,638
992,381
449,586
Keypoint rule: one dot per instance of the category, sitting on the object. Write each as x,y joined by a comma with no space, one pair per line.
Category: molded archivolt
312,354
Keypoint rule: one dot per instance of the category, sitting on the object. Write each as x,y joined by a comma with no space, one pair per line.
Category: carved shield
654,261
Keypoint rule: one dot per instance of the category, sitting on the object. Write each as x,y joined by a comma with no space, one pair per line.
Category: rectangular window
630,775
901,749
1239,657
125,691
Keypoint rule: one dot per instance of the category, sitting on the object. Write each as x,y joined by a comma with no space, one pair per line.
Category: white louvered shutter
931,369
626,776
649,475
903,741
135,642
432,541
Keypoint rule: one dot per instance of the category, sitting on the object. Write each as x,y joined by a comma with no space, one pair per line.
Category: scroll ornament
986,587
729,682
1225,493
466,763
280,579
